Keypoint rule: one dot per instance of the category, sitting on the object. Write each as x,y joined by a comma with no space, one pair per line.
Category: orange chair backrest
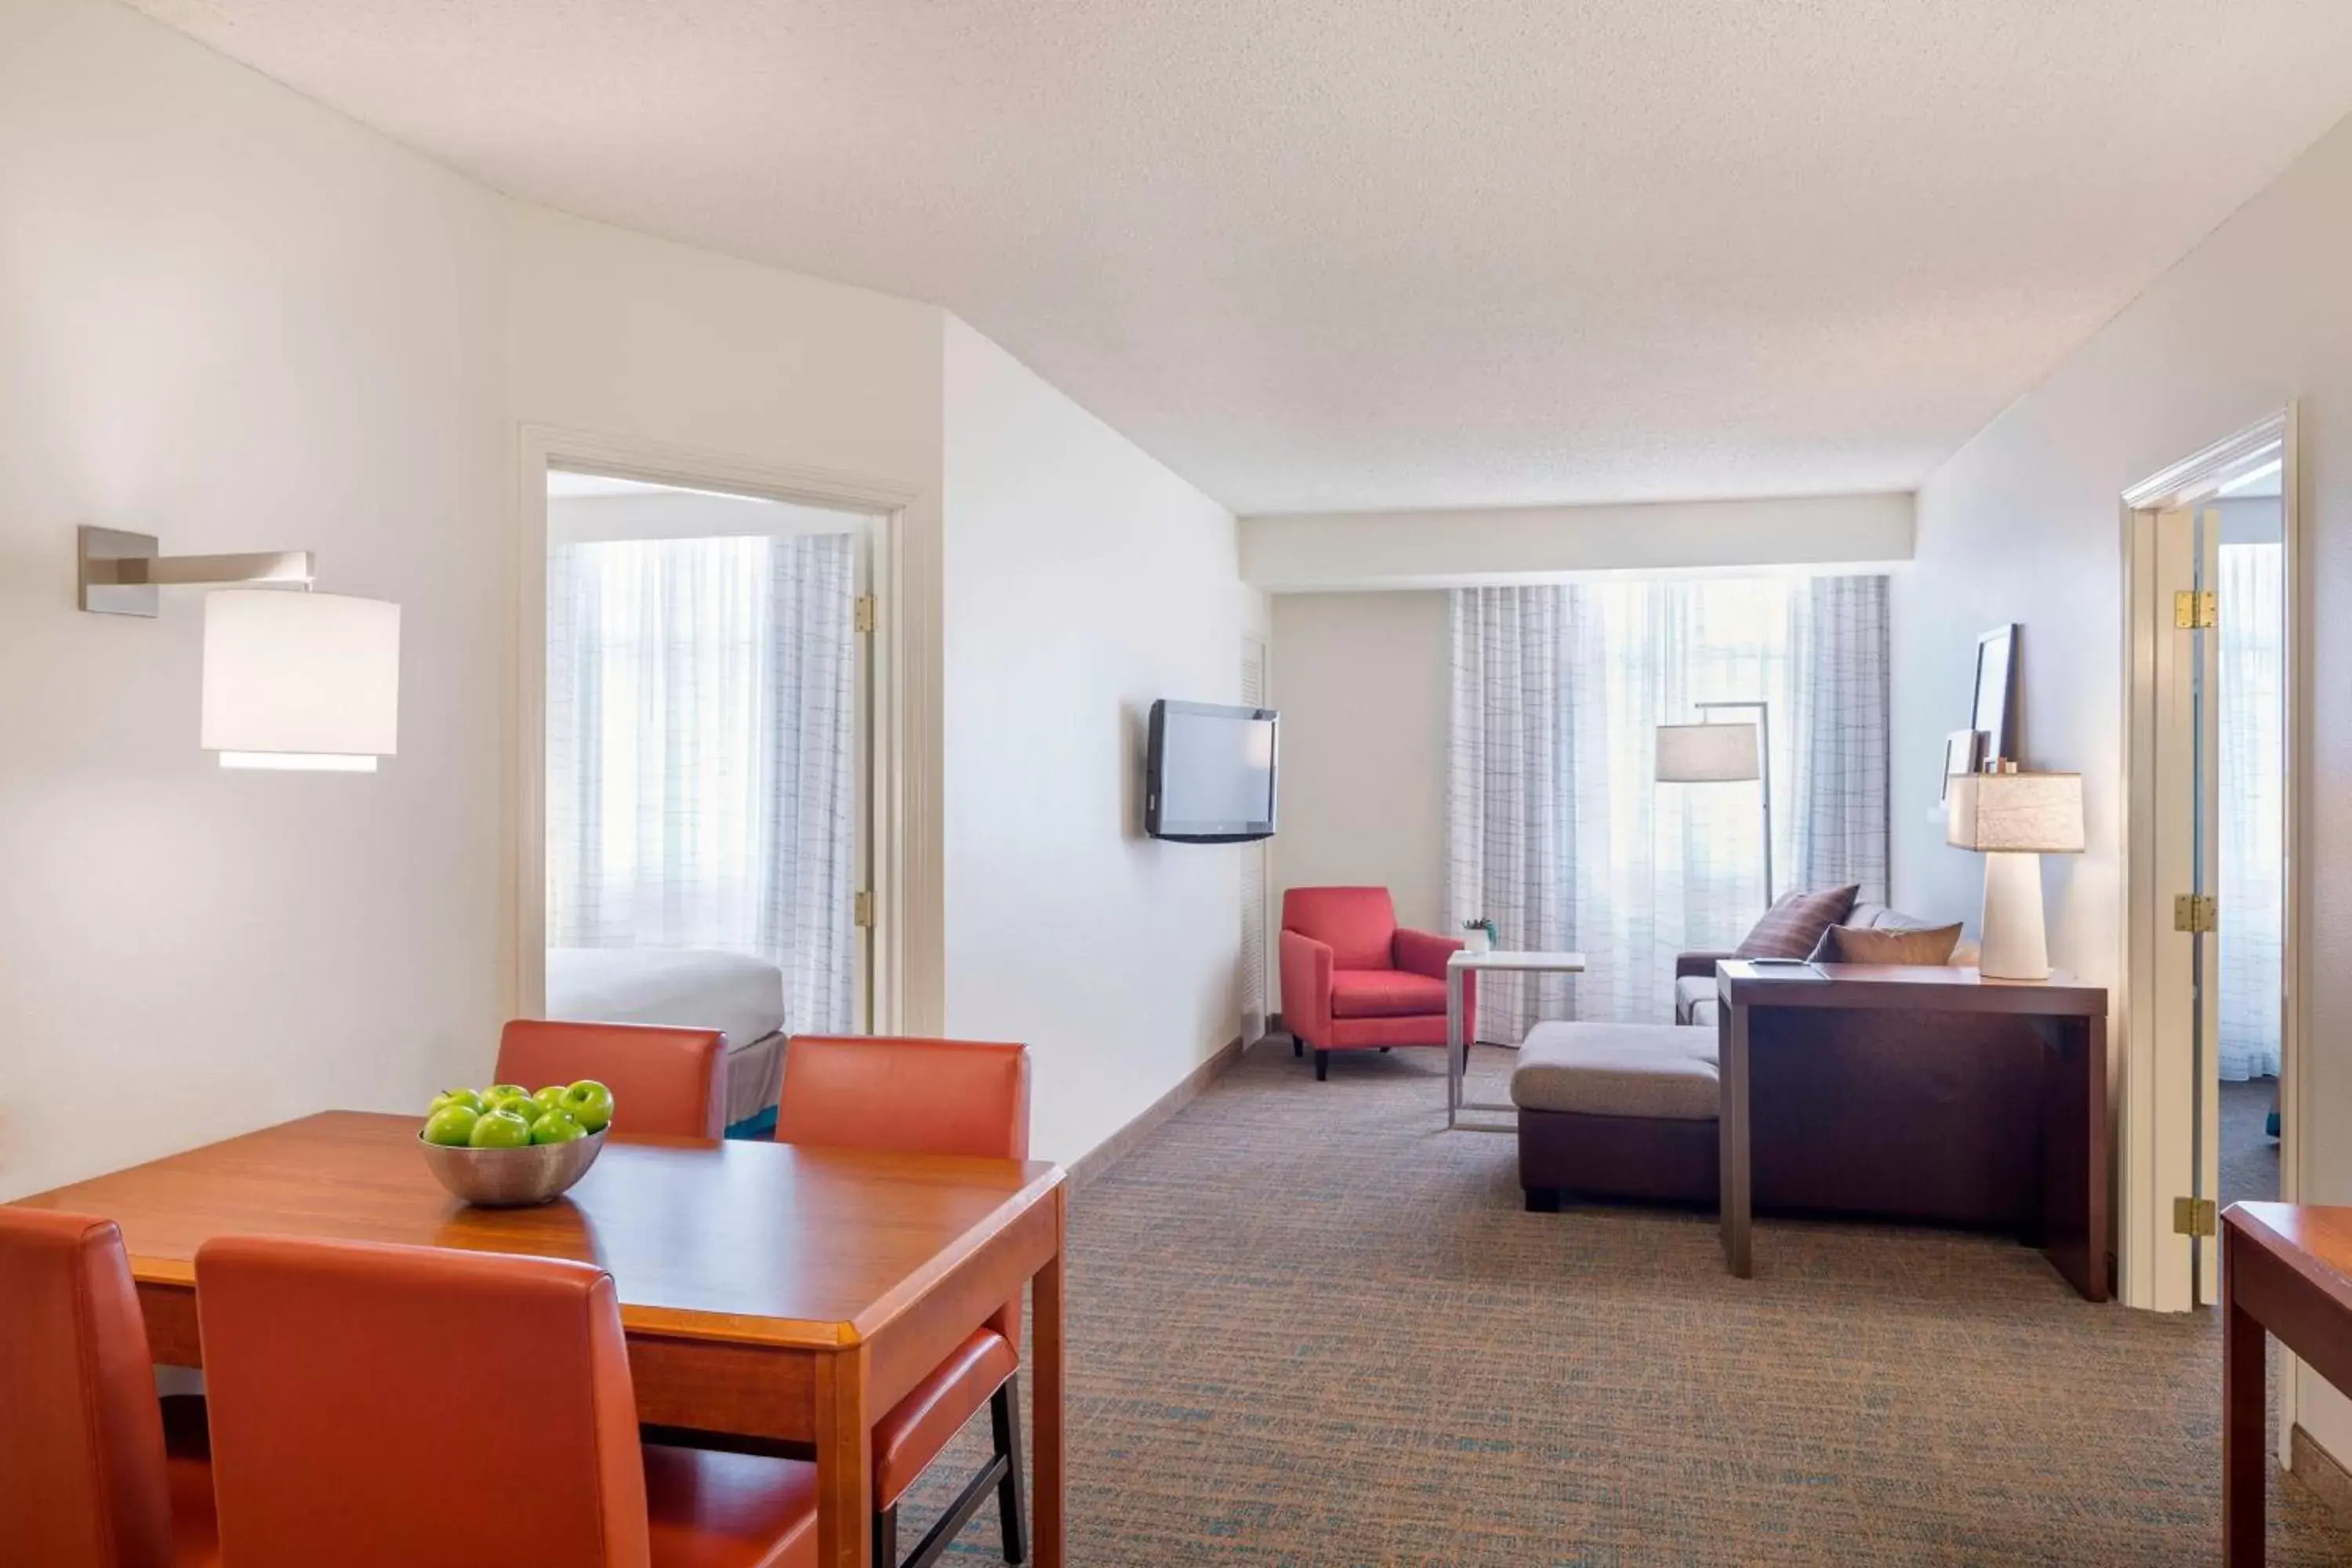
912,1095
374,1405
666,1082
82,1483
916,1097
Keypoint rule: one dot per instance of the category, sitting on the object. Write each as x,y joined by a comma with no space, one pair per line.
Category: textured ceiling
1354,254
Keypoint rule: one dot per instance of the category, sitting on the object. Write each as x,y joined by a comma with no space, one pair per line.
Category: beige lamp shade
1706,754
301,680
2030,813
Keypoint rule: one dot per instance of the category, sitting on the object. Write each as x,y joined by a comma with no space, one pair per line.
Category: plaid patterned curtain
701,718
1557,828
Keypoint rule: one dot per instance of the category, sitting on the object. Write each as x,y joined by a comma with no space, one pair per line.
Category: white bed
742,998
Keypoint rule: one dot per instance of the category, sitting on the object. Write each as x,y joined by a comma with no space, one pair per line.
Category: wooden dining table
769,1291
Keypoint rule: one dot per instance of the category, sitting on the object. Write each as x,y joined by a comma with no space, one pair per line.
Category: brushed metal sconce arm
120,570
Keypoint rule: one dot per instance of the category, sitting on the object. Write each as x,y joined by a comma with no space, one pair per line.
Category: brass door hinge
861,913
2195,612
866,612
2196,912
2194,1216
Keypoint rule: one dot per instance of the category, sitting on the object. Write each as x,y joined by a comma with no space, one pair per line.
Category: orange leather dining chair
374,1405
928,1097
86,1478
666,1082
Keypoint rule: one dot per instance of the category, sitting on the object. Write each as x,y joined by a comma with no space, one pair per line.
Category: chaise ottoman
1617,1111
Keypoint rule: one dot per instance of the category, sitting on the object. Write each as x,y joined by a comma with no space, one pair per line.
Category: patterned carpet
2250,1155
1311,1327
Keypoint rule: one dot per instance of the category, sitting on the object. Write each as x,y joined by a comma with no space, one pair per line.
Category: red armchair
1353,980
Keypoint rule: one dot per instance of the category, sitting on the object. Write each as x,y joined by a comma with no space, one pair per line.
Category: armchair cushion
1385,994
1358,925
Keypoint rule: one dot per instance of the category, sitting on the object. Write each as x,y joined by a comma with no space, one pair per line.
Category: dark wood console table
2286,1269
2070,1221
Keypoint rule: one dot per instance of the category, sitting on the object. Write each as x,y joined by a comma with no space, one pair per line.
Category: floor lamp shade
1708,754
301,680
2013,819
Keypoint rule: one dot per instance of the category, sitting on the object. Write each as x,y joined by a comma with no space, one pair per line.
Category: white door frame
541,448
2159,1105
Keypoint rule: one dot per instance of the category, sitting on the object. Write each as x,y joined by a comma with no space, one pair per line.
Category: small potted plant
1478,935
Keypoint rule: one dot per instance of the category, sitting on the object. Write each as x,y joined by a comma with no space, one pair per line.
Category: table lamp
2012,819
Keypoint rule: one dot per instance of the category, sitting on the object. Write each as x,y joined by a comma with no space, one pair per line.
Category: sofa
1694,971
1354,980
1905,1115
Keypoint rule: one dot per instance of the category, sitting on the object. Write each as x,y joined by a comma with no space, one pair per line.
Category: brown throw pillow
1864,944
1792,927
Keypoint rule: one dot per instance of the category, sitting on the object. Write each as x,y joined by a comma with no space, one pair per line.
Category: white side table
1457,1048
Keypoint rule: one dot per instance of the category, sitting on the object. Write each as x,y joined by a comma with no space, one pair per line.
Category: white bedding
743,998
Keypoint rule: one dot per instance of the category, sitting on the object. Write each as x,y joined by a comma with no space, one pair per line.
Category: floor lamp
1709,752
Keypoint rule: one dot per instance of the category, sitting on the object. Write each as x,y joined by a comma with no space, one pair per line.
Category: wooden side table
2286,1269
2071,1020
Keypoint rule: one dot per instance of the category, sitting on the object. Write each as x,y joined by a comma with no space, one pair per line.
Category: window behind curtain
1558,827
701,720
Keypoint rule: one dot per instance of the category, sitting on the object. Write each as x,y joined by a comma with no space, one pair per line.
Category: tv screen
1209,773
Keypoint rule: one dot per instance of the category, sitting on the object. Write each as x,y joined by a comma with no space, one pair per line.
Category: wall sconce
292,680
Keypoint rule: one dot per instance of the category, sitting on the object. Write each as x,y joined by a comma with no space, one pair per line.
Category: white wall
638,339
1083,580
1362,683
233,319
1306,552
2024,524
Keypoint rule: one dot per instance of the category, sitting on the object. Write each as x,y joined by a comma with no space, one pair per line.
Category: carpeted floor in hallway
1311,1327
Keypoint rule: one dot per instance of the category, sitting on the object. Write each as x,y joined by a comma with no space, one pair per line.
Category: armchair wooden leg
1543,1200
885,1537
1322,1066
1012,1507
1298,1047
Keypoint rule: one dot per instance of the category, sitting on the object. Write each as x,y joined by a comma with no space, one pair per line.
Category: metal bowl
511,1178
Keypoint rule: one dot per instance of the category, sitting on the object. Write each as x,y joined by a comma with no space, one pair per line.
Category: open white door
1256,875
2186,1016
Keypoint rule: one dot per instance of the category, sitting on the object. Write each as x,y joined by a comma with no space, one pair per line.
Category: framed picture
1994,712
1963,754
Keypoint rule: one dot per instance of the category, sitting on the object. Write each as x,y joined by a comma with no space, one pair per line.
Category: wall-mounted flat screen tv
1209,773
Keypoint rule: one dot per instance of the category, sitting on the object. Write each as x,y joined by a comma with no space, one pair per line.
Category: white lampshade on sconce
2013,819
293,679
300,681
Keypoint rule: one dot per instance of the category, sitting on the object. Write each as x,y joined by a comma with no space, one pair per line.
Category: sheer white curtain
701,771
1557,827
2252,784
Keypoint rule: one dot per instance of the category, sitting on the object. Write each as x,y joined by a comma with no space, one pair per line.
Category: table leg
845,1461
1048,1353
1454,1050
1731,1127
2245,1418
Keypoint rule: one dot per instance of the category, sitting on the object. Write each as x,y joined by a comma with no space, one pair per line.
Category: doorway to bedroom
706,753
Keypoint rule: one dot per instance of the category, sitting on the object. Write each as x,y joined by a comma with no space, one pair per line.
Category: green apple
548,1099
555,1127
589,1103
452,1125
499,1091
465,1097
501,1128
